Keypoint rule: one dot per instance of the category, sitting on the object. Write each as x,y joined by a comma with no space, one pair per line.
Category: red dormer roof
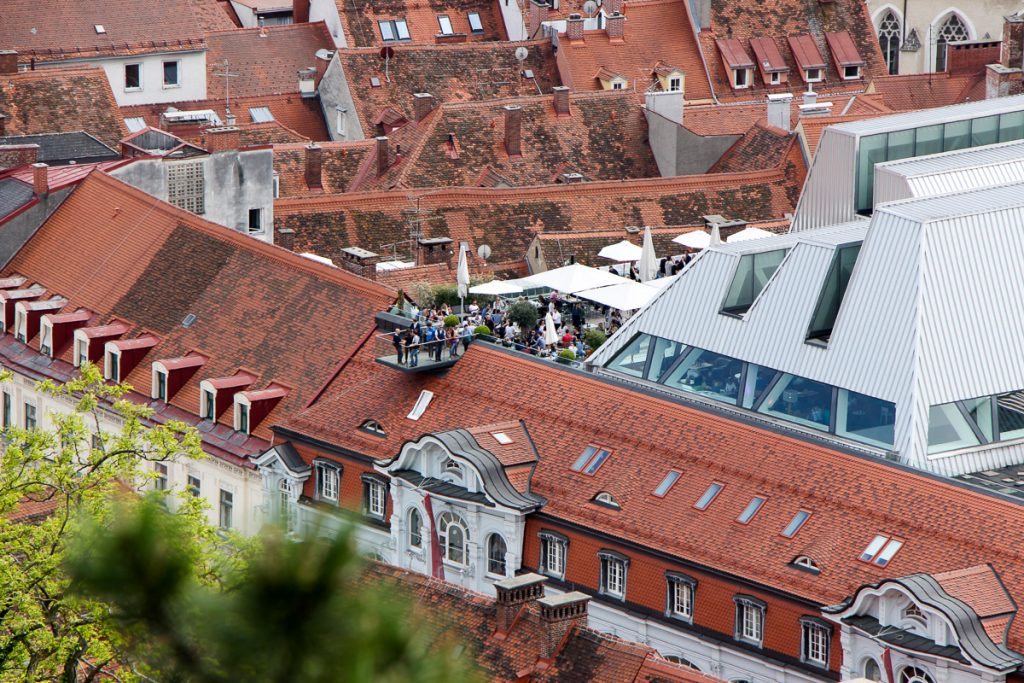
97,336
12,282
9,297
34,310
63,326
806,53
132,351
262,402
769,58
734,54
226,388
844,52
179,371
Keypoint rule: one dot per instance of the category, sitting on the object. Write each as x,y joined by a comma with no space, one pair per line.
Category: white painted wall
327,11
192,78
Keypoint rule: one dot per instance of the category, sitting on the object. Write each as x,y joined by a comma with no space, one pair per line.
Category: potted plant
593,338
451,321
566,356
524,314
483,332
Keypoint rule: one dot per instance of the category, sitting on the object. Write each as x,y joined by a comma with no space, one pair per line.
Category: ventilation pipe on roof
513,130
422,104
778,110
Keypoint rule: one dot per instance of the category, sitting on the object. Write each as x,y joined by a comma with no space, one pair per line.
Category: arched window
952,29
452,468
805,562
889,33
914,674
496,549
415,529
606,499
453,535
912,611
872,671
675,659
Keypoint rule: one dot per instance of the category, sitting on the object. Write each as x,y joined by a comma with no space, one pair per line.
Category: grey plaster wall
679,151
334,95
15,232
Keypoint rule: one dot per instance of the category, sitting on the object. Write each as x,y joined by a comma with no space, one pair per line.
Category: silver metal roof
965,169
972,157
830,236
926,117
956,204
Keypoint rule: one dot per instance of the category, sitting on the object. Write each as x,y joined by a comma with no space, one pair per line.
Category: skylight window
135,123
100,28
832,292
752,274
502,438
446,25
475,25
591,459
667,483
796,523
421,405
261,114
709,495
881,550
752,507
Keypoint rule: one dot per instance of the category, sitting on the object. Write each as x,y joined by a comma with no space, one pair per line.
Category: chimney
562,100
612,7
810,97
12,156
422,104
323,60
8,62
616,26
1011,51
314,165
223,139
513,130
307,82
515,593
300,11
538,15
286,238
574,28
382,155
40,178
558,615
778,110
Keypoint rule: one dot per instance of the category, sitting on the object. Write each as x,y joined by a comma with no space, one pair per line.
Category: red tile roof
149,264
979,587
267,61
734,54
806,52
214,15
59,101
656,31
340,162
762,147
359,20
925,91
54,29
766,52
851,498
63,176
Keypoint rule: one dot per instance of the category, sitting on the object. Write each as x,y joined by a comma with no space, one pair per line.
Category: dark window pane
831,297
752,273
872,151
866,419
800,400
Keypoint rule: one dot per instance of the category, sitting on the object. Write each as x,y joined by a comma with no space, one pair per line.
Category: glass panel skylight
948,429
446,25
831,297
402,29
421,405
888,552
632,359
663,356
709,495
1011,415
584,459
796,523
502,438
709,374
752,274
800,400
752,507
598,460
135,123
667,483
475,25
261,114
876,544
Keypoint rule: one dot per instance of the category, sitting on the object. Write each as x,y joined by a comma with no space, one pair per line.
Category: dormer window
675,84
373,427
123,355
851,73
208,410
112,365
161,385
812,75
607,500
251,407
808,57
170,374
219,394
45,340
618,85
19,325
845,54
775,78
741,78
805,563
242,418
81,352
752,274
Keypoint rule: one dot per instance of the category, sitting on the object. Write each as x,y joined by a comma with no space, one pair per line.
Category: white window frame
261,229
750,614
226,502
681,591
375,499
415,537
204,389
847,76
445,521
46,336
124,73
111,361
328,481
618,85
81,355
504,560
736,78
242,405
158,371
818,79
775,78
442,20
162,480
554,551
163,73
20,324
614,570
816,641
395,28
675,84
29,408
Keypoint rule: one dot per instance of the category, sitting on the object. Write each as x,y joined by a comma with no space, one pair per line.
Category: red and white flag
436,566
887,663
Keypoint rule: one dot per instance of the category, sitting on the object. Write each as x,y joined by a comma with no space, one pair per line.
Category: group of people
429,334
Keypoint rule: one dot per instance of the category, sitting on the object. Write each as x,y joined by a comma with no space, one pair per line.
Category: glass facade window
949,429
976,421
1010,415
1011,126
632,359
800,400
832,293
709,374
752,274
956,135
664,355
757,379
865,418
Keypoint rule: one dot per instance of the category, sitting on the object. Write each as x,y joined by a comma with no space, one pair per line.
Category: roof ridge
420,139
482,46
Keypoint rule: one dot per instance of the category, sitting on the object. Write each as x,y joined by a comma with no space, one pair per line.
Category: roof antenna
227,75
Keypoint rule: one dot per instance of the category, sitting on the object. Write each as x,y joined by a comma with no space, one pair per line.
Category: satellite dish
522,53
590,7
484,251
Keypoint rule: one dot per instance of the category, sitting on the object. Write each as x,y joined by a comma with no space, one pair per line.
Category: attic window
881,550
591,460
502,438
446,25
373,427
796,523
851,73
475,25
667,483
392,30
135,123
752,273
805,563
261,114
421,405
100,28
675,84
705,500
606,499
748,512
374,82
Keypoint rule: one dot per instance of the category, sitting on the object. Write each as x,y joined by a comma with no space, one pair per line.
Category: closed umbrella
648,259
550,333
462,278
716,236
621,252
695,239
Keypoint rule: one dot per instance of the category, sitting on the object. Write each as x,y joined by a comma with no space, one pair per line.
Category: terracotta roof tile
656,31
149,265
851,498
763,146
214,15
61,100
267,62
924,91
979,587
359,19
407,278
340,162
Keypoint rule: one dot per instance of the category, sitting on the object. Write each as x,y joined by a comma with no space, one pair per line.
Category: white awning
749,234
695,239
571,279
496,288
627,296
621,252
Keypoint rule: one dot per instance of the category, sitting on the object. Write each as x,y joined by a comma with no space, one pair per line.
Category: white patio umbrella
695,239
648,265
550,333
662,282
621,252
749,234
627,296
496,288
571,279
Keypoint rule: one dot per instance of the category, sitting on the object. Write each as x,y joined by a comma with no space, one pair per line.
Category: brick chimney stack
314,165
382,155
562,100
422,104
8,62
559,614
612,6
538,14
300,11
513,595
40,178
223,139
1005,78
285,238
574,28
513,130
616,27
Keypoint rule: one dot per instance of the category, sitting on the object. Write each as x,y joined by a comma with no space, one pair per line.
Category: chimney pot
513,130
382,155
314,166
538,15
562,100
8,62
40,178
286,238
616,26
513,594
559,614
422,104
223,139
574,28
